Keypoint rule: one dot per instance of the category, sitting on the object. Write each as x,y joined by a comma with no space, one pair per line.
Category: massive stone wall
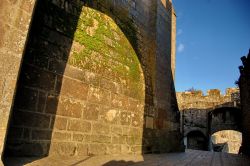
96,79
14,23
244,84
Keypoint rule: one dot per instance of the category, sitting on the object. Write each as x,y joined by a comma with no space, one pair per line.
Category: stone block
134,140
136,149
82,149
27,5
100,128
118,139
133,105
79,125
113,149
56,38
27,134
92,78
74,89
149,122
63,149
61,136
100,139
125,149
60,123
37,78
26,99
3,30
97,149
15,133
137,120
57,66
75,73
81,137
126,118
41,135
135,131
125,131
99,96
69,108
22,20
52,104
42,97
109,85
91,112
28,149
116,130
7,11
111,116
119,101
28,119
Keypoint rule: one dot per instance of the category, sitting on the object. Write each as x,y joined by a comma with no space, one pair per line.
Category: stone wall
92,81
244,84
173,42
209,113
14,23
195,106
228,141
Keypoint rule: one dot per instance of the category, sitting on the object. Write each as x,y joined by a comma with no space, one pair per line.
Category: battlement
210,92
213,98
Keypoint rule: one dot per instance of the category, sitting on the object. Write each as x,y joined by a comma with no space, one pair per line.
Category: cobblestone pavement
189,158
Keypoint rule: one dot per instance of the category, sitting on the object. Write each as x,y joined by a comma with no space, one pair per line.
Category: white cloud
180,47
179,32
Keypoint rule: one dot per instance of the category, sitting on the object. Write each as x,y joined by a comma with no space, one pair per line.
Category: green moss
128,66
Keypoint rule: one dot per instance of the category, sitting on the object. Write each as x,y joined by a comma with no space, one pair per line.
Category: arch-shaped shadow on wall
196,140
41,77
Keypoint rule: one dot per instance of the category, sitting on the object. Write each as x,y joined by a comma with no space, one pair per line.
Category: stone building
87,77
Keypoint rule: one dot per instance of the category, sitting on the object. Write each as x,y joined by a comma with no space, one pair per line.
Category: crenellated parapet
207,114
214,98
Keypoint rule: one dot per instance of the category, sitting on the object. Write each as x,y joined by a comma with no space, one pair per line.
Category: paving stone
190,157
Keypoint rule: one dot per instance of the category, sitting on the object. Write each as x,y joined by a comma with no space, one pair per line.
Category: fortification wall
14,23
213,99
194,107
92,81
244,84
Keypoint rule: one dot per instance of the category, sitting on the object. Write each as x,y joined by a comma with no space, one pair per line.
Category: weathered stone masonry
14,23
244,84
207,114
96,79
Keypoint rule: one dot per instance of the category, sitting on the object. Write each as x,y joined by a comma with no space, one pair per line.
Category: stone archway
196,140
224,118
228,141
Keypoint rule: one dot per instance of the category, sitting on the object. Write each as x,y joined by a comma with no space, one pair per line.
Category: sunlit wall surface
227,141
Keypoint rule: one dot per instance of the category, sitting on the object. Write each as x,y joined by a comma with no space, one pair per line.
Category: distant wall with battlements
213,99
197,111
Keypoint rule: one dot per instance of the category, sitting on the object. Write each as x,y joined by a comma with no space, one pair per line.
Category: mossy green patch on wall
104,48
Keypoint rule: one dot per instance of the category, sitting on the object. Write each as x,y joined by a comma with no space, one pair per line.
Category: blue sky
212,35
